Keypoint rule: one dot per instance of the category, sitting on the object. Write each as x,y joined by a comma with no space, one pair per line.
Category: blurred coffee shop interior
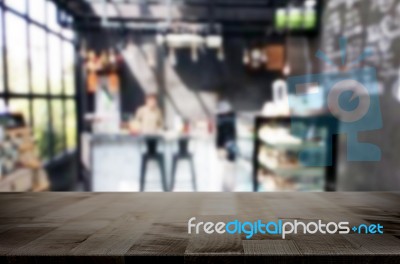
190,95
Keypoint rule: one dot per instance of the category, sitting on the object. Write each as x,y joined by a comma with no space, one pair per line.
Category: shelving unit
278,144
21,169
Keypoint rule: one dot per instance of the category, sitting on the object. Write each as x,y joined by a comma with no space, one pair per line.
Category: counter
113,162
122,227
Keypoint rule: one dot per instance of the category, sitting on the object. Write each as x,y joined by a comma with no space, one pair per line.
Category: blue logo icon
351,98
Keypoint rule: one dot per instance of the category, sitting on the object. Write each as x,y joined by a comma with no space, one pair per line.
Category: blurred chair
152,154
183,154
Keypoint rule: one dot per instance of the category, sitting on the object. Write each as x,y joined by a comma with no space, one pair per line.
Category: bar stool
183,153
152,154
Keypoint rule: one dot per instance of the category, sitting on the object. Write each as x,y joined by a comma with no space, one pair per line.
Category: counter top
123,227
101,138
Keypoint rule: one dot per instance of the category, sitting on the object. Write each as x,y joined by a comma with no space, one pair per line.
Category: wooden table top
127,226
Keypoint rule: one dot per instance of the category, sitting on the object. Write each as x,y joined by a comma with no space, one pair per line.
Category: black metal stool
183,153
152,154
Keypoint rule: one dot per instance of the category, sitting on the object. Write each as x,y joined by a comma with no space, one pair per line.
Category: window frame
30,96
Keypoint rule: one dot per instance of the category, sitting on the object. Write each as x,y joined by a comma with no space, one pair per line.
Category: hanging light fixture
214,41
256,55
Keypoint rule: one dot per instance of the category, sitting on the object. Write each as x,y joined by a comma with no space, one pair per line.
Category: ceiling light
214,42
184,40
256,54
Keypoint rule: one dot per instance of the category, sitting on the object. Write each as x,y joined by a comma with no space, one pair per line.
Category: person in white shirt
149,117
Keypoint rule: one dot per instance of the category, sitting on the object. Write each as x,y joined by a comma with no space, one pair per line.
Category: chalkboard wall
366,24
374,25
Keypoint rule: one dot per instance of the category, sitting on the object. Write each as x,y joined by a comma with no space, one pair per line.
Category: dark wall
247,90
376,28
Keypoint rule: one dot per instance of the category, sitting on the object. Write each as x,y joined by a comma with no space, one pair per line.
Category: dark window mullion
37,96
64,127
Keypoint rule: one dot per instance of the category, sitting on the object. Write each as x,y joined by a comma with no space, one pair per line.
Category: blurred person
226,144
148,118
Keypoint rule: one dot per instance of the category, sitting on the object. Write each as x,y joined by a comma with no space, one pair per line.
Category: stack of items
20,167
282,167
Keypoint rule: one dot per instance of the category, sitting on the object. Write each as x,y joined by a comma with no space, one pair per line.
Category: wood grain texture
143,227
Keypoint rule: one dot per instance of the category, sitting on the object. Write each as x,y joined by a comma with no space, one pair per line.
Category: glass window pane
52,22
3,107
68,33
41,127
55,65
19,5
71,128
1,54
17,54
58,127
38,56
69,80
37,10
20,106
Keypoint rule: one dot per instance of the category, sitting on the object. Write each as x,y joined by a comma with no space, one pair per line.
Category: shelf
291,146
294,171
275,142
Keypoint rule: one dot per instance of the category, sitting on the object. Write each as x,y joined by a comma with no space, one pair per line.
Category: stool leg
143,171
174,165
160,159
193,173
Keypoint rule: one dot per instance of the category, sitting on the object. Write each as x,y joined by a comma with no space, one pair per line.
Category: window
55,64
43,93
20,106
18,5
70,122
17,55
1,54
37,10
41,127
38,60
68,34
68,58
58,131
52,17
